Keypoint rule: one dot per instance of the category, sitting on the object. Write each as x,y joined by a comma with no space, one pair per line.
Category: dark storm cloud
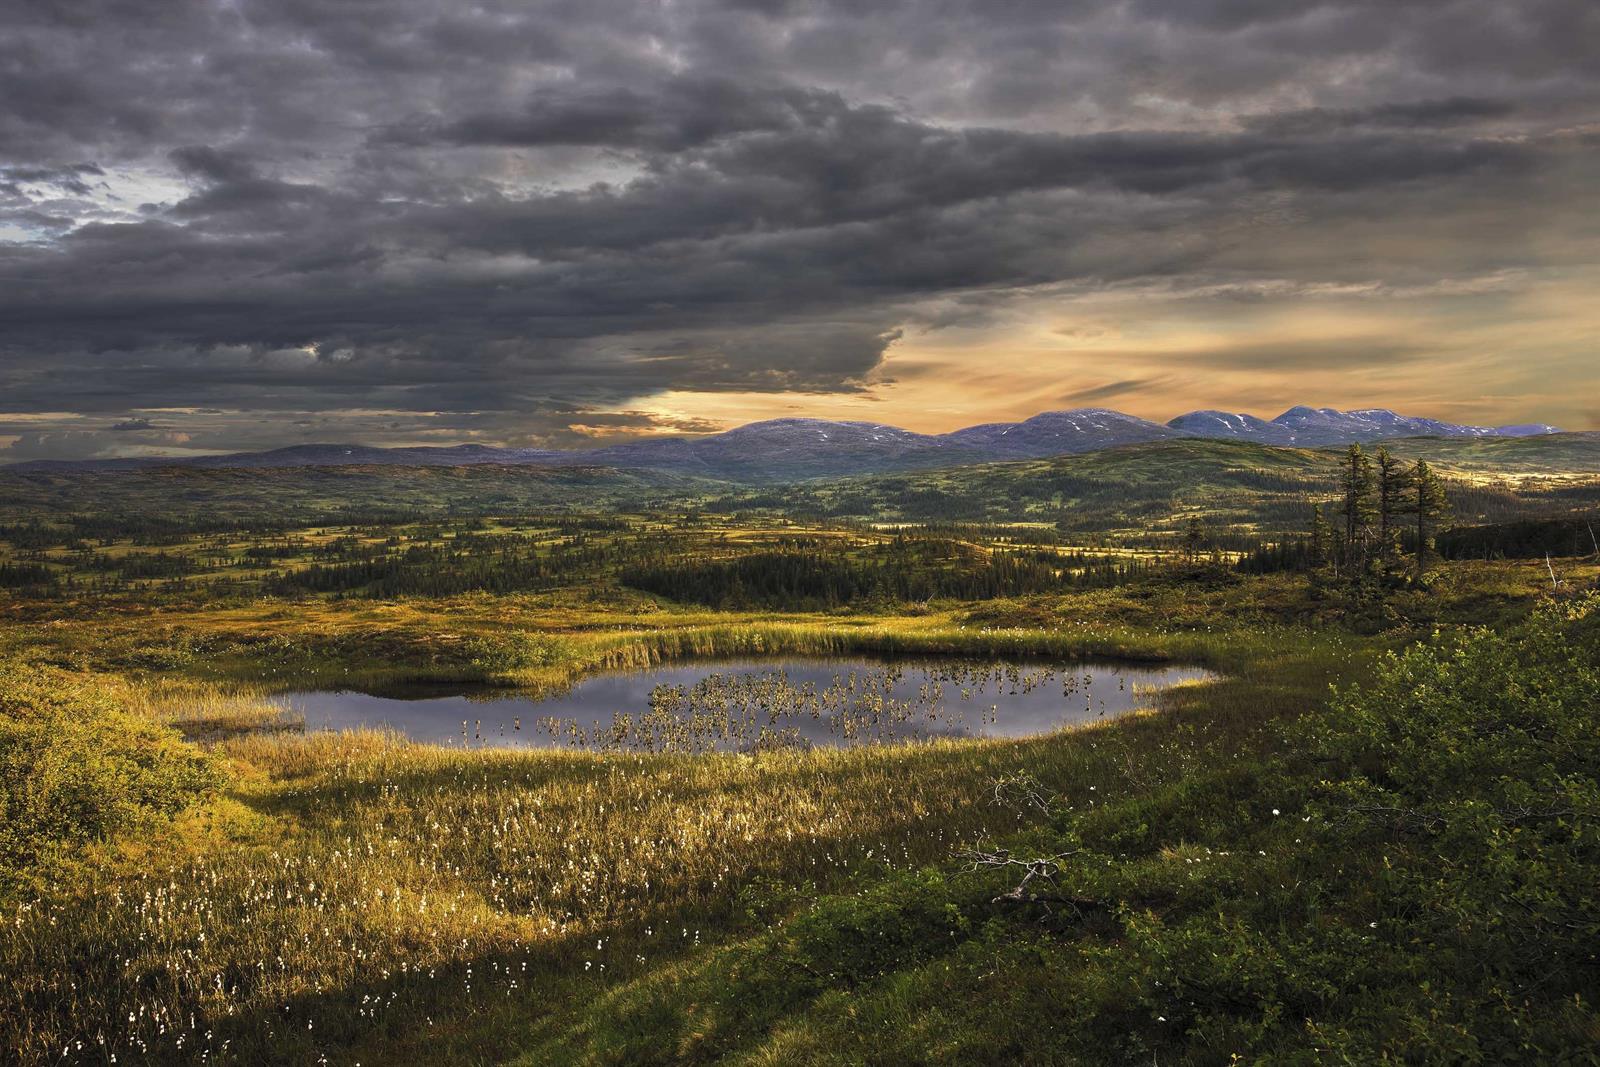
536,213
669,115
210,164
1418,115
73,179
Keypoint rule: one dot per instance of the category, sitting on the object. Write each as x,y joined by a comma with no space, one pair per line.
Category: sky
254,223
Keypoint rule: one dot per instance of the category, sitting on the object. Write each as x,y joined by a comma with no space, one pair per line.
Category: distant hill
1128,489
799,449
1230,427
187,495
1132,490
1329,426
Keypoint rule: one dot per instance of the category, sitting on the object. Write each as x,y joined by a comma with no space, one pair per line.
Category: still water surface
750,703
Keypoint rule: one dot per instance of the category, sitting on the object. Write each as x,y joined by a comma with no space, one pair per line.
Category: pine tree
1194,539
1360,508
1321,537
1428,505
1393,483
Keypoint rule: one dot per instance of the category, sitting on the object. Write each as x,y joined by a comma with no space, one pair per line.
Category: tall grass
203,711
367,868
492,657
352,890
358,896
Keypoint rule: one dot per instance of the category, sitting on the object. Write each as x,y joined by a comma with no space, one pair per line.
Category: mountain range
798,448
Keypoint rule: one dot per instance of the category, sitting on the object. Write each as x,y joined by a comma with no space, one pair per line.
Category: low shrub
75,768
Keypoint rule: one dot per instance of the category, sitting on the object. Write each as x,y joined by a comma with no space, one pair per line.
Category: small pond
746,704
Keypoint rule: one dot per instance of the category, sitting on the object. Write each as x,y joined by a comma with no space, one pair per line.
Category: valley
787,533
438,763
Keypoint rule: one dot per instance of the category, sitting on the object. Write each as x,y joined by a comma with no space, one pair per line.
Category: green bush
74,769
514,650
1417,880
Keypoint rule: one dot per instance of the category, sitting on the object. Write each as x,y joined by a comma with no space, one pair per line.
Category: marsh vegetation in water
745,705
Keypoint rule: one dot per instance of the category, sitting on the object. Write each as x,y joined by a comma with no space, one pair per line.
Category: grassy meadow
1371,838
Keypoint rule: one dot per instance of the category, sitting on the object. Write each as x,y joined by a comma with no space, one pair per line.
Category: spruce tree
1194,539
1393,482
1428,505
1321,537
1360,507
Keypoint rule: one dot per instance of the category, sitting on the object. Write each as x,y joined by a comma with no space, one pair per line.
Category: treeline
1524,539
142,564
1293,554
153,530
810,579
1498,504
481,563
1078,503
910,571
25,576
32,536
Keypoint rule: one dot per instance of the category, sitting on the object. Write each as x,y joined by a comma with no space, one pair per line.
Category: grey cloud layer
531,212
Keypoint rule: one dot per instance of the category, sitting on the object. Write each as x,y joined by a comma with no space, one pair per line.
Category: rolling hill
1128,489
796,449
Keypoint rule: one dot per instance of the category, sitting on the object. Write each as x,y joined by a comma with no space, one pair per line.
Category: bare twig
1021,791
1036,869
1427,821
1421,820
1525,814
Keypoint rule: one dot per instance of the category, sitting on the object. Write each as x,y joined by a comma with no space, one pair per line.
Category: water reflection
742,705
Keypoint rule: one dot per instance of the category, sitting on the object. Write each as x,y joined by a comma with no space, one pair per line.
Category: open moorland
1364,832
794,533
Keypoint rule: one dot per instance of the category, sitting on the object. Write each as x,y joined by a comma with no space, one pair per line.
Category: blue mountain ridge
807,448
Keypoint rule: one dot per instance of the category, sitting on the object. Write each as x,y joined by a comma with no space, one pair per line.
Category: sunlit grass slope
354,892
268,896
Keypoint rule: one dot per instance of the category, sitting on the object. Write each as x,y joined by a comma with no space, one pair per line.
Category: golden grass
344,875
354,888
342,867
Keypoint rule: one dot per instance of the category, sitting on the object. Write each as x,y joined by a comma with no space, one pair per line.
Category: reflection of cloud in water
752,705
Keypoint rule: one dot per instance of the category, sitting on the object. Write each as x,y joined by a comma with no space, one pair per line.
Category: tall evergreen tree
1321,537
1194,539
1393,502
1360,505
1428,505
